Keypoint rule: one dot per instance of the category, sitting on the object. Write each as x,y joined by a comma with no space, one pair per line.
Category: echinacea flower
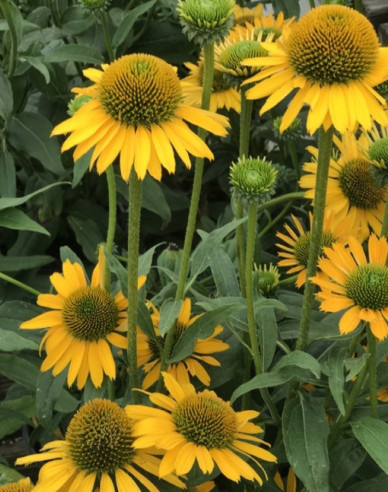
136,111
84,321
149,356
223,94
352,191
296,249
331,56
199,428
23,485
96,452
356,283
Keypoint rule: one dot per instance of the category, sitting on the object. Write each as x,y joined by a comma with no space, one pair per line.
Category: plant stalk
372,365
22,285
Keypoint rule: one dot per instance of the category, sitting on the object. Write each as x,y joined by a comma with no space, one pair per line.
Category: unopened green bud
378,151
253,180
268,279
205,21
76,103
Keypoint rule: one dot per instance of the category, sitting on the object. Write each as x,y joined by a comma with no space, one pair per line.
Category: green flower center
140,90
206,420
232,56
206,13
359,186
368,286
100,437
90,313
333,44
378,151
303,244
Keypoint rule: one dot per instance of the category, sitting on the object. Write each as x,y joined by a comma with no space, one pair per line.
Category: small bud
252,180
76,103
268,279
205,21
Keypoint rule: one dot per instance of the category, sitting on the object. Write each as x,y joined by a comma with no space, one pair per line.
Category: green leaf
265,380
153,199
145,260
202,328
128,22
88,235
169,312
15,413
119,270
81,167
335,365
30,132
224,273
75,53
7,174
268,335
14,202
298,359
375,484
19,370
12,218
37,63
305,432
9,475
373,436
6,99
345,458
19,263
12,342
144,320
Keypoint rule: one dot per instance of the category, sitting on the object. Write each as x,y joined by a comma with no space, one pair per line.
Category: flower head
253,180
223,95
199,427
296,249
97,452
23,485
85,320
136,111
149,351
357,283
268,278
205,21
352,192
332,57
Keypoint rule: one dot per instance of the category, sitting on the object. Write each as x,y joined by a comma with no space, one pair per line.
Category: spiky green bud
75,104
205,21
268,279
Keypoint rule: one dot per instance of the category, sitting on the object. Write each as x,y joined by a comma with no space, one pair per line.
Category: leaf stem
22,285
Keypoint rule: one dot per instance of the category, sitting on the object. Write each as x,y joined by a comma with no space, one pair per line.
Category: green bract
205,21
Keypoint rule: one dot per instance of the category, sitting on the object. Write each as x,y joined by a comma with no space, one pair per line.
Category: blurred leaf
12,218
88,235
6,99
9,475
305,432
19,370
224,273
75,53
7,174
128,22
153,199
289,8
373,436
30,132
12,342
15,414
345,458
81,167
37,63
298,359
265,380
169,313
376,484
18,263
335,365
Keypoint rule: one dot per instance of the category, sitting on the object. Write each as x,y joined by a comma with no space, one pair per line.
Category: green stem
105,30
7,13
134,203
312,4
294,159
280,199
240,246
111,390
372,365
288,280
384,225
112,204
208,74
245,123
350,402
324,152
274,221
254,340
19,284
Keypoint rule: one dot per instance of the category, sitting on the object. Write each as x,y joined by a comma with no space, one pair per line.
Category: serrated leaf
128,22
373,435
12,218
74,52
305,432
30,132
19,263
301,360
265,380
169,313
12,342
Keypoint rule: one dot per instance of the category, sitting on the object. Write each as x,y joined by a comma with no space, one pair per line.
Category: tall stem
254,340
240,246
372,373
134,201
7,13
105,30
384,225
324,152
112,204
